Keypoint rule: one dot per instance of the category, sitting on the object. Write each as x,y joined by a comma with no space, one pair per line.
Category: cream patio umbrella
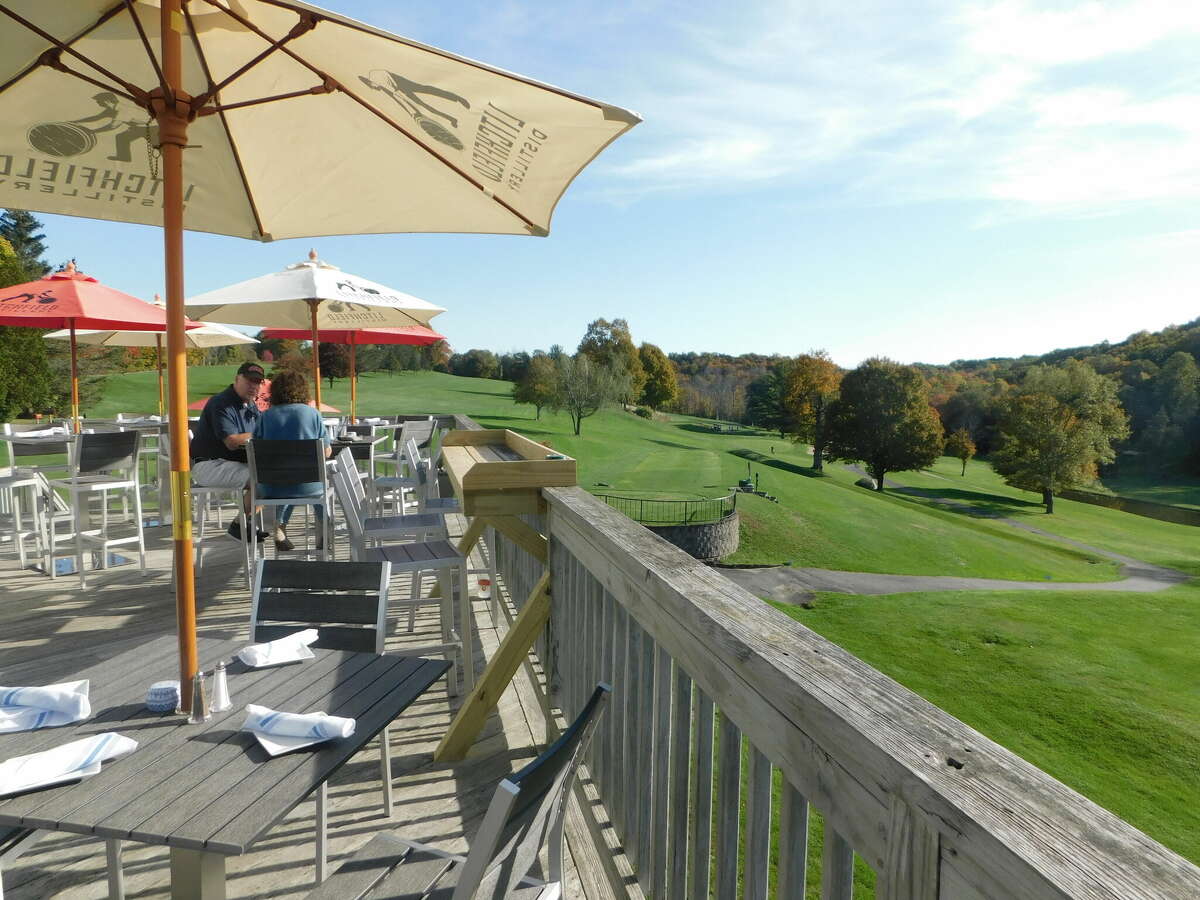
314,296
210,334
297,122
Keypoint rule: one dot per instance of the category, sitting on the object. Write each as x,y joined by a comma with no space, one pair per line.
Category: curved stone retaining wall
712,541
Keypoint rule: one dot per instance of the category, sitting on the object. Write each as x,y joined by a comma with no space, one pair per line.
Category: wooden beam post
499,672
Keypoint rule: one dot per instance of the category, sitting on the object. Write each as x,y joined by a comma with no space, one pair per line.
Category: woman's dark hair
289,386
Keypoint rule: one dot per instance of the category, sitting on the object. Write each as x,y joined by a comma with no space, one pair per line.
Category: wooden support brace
466,544
524,536
499,672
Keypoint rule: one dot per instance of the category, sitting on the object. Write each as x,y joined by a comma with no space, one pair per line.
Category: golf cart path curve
788,585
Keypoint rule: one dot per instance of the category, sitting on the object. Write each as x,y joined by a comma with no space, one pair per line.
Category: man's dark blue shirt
225,413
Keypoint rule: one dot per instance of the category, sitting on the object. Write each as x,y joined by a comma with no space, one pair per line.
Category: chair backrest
528,809
351,498
362,430
286,461
106,451
345,601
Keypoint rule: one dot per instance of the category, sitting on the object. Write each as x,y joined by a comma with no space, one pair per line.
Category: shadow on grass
763,460
674,445
972,503
481,393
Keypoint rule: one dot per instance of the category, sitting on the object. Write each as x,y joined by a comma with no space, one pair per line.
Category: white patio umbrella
210,334
297,122
316,296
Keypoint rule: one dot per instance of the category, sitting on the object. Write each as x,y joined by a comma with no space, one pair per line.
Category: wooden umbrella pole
353,387
172,112
74,382
158,359
316,352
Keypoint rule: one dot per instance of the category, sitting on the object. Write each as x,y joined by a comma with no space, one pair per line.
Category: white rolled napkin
78,759
44,432
27,708
281,650
316,726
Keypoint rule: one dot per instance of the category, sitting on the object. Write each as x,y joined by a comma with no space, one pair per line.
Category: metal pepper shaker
220,698
200,711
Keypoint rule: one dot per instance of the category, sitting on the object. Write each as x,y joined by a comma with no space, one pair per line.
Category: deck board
49,629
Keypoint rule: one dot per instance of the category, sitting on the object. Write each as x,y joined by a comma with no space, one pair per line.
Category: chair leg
18,525
116,875
137,522
385,774
414,594
81,501
464,629
322,832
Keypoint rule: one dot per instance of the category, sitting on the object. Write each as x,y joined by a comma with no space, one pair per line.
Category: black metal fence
673,512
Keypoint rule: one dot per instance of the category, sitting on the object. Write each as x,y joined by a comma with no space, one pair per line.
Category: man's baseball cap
252,371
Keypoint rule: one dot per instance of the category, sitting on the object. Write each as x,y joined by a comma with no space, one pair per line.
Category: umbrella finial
158,301
69,268
312,254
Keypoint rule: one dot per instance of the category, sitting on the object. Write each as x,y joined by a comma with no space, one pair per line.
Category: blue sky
923,180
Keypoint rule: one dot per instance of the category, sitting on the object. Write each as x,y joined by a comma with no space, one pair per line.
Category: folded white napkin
44,432
27,708
315,726
281,650
69,762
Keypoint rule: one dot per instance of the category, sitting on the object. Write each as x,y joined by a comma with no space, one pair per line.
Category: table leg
322,832
116,875
197,875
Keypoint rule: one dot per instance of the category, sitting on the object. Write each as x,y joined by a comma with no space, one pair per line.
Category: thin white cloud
1027,108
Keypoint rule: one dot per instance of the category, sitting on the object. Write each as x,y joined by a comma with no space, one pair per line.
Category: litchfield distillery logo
91,158
504,146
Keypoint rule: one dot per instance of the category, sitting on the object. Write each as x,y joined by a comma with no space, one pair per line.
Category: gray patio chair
526,813
284,462
103,462
347,603
422,548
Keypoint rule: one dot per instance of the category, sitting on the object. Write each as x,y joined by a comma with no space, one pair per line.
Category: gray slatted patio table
207,791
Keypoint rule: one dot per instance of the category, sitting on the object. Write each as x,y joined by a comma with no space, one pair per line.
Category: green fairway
1100,691
824,522
1163,543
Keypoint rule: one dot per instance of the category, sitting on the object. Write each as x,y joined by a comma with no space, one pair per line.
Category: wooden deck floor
440,803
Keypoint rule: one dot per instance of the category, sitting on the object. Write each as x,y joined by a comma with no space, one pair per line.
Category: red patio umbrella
410,334
69,299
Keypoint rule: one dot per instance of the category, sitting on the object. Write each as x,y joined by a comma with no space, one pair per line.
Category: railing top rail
867,751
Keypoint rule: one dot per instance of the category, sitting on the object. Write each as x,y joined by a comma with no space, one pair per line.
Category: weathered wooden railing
714,690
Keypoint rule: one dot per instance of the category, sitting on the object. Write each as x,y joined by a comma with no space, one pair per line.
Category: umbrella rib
328,80
237,157
37,63
305,25
137,23
134,90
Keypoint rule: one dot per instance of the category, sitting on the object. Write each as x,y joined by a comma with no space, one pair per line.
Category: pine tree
23,232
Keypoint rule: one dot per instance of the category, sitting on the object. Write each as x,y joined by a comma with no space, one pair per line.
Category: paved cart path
791,585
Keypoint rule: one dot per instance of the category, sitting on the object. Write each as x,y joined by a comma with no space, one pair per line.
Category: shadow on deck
55,623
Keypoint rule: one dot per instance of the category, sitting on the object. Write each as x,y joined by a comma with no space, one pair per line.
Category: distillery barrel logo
64,149
79,136
407,94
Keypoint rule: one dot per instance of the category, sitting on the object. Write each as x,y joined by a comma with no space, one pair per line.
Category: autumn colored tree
813,383
661,388
610,345
882,418
334,360
960,446
538,386
1057,427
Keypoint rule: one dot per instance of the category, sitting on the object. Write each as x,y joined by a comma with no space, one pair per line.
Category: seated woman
291,418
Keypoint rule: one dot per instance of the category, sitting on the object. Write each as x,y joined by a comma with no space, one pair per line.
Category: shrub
644,412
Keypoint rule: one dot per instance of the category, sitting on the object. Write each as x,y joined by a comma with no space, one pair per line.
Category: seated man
218,447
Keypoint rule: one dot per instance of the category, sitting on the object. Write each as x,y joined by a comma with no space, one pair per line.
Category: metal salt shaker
220,700
200,711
